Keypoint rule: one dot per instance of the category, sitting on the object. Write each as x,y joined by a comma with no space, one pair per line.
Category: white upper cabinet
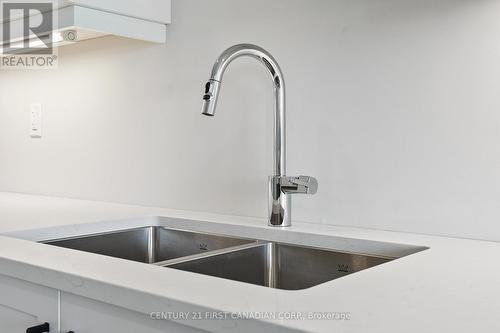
85,19
151,10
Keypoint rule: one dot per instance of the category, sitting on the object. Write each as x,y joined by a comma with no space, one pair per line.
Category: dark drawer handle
44,328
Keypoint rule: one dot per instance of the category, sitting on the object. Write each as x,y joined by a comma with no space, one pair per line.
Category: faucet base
279,204
280,190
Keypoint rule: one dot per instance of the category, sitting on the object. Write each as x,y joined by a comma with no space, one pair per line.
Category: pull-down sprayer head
210,97
213,85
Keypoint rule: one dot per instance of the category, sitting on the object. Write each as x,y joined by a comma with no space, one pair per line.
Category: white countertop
452,287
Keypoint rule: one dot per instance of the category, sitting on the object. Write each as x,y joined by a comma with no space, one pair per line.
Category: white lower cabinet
24,305
83,315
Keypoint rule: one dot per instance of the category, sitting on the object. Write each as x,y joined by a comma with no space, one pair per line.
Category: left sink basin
149,244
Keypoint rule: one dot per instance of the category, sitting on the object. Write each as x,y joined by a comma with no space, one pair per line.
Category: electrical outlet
36,120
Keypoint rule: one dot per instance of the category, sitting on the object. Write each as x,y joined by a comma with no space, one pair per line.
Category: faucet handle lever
300,184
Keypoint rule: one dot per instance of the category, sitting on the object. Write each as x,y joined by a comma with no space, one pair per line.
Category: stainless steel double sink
263,263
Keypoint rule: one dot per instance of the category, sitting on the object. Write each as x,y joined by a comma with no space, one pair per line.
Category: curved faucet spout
280,186
212,89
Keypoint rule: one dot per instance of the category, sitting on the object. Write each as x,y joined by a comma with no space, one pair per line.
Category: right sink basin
281,266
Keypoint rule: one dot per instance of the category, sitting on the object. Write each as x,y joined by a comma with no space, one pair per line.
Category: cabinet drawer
83,315
23,305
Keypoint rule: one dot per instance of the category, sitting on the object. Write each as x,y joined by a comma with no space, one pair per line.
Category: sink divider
209,254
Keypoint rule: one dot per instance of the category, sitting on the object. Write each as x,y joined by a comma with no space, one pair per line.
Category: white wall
394,105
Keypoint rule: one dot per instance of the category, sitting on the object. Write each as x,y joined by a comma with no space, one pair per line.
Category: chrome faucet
280,185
